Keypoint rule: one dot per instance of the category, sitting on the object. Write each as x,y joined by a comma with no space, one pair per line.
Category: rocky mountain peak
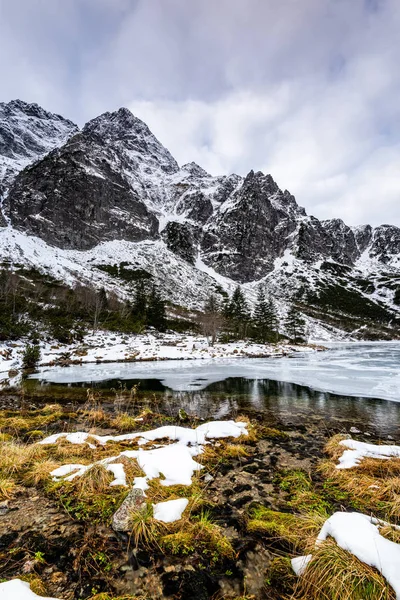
195,170
21,108
127,133
27,133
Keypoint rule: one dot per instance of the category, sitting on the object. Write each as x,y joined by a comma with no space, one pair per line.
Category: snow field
105,346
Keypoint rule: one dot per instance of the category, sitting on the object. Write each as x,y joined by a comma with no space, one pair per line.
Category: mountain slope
112,193
27,132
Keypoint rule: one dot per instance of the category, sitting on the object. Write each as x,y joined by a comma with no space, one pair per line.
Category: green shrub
31,356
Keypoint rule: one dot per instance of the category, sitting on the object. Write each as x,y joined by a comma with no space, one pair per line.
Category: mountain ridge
113,180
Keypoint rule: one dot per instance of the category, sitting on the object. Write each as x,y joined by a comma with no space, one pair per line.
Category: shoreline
105,347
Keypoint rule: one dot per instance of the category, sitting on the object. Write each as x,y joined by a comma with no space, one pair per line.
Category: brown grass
335,574
8,488
96,481
39,472
373,485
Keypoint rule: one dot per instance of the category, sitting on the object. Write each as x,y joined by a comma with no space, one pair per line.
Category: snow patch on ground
174,461
357,451
19,590
170,511
359,535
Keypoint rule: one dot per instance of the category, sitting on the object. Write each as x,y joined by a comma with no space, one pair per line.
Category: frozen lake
366,370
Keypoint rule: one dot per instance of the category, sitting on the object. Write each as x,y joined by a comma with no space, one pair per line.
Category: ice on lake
370,370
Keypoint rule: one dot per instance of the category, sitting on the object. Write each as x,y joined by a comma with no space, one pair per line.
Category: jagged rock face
77,197
114,180
182,239
363,236
27,133
195,206
250,229
326,239
385,243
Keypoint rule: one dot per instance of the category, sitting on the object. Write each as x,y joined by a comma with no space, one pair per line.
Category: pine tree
295,325
156,314
265,321
139,308
238,312
272,321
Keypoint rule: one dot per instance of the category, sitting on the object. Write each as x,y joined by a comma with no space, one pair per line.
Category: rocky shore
256,500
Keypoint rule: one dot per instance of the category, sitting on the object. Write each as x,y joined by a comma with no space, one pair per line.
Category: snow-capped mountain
27,133
112,193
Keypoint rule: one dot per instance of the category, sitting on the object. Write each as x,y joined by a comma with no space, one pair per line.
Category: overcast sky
307,90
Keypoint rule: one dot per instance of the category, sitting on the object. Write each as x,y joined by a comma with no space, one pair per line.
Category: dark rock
193,584
182,239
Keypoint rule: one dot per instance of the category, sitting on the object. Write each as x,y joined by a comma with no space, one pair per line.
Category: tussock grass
124,422
39,472
298,532
96,416
372,486
16,458
95,481
199,534
145,530
334,573
8,488
280,579
235,451
131,469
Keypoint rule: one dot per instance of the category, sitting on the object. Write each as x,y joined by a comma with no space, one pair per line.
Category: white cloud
306,90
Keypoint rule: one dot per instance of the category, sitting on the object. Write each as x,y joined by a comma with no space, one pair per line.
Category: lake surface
331,388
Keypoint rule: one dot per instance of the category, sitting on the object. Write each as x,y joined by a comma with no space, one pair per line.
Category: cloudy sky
307,90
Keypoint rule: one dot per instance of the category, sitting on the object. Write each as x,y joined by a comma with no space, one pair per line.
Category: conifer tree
272,320
295,325
238,312
265,321
139,308
156,314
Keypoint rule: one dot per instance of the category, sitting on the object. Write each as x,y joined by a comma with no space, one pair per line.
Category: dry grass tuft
96,416
373,485
145,530
94,482
235,451
124,422
333,447
15,458
39,472
334,573
8,488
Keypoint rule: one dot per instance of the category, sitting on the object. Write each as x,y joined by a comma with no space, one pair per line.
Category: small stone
4,508
133,502
208,477
354,430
